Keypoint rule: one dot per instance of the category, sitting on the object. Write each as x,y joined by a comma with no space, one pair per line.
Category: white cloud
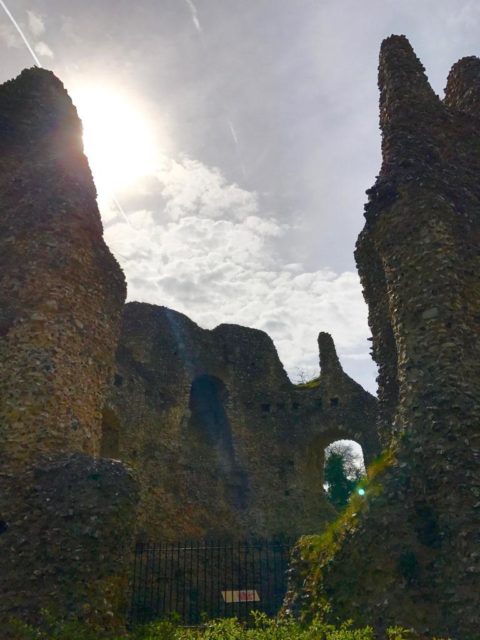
10,37
211,254
189,186
43,50
35,24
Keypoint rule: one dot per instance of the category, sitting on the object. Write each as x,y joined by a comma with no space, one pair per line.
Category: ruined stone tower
410,553
61,297
61,290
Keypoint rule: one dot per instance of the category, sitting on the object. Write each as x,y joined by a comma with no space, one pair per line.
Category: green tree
342,472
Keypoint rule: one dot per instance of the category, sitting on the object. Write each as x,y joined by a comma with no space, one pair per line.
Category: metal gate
192,582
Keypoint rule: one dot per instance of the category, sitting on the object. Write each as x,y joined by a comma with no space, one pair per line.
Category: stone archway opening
210,424
344,467
110,439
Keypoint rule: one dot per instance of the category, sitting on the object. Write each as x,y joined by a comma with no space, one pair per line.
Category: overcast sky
263,118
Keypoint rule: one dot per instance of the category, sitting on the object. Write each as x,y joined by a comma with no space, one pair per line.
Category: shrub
262,628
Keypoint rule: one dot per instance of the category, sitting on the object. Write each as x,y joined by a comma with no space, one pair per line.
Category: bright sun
117,138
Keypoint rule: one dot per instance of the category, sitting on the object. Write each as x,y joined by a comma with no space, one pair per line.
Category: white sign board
241,595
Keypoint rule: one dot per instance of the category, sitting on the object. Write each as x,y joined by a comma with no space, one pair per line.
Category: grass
310,384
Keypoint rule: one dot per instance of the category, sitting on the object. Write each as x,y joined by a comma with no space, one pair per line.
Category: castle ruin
122,423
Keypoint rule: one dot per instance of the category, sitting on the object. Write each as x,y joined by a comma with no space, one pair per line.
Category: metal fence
192,582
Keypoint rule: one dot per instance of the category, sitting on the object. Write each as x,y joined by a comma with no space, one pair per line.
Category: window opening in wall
266,408
109,443
295,406
344,468
118,380
334,402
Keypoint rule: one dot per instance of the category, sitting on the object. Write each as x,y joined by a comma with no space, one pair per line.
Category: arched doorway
208,396
210,424
344,467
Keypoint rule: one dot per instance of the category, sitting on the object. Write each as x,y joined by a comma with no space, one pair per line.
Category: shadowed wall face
420,268
68,547
223,443
61,291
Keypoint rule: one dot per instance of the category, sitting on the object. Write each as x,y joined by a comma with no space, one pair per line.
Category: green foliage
262,628
310,384
342,472
52,628
340,486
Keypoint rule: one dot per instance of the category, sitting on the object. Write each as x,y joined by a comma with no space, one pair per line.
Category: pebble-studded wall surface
223,443
409,554
61,290
66,519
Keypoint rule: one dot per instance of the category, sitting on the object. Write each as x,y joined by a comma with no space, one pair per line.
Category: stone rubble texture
61,290
223,444
410,554
194,433
65,534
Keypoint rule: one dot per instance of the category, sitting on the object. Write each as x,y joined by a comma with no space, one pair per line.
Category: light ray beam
22,35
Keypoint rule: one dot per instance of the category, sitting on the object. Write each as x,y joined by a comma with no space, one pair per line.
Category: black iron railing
197,581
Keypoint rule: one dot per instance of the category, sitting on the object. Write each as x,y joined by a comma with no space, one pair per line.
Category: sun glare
118,140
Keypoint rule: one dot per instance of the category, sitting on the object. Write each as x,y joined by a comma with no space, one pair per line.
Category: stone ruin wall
61,289
239,464
61,297
411,555
223,443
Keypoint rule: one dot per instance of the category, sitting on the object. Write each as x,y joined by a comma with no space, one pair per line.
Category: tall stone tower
410,553
61,290
62,512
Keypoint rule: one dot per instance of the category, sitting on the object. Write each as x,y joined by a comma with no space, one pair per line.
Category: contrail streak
37,62
237,147
194,12
232,131
120,209
22,35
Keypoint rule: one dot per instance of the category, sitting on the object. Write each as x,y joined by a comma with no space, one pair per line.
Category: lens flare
118,140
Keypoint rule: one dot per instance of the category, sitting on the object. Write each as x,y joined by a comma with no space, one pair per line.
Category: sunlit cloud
36,25
10,37
210,251
43,49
